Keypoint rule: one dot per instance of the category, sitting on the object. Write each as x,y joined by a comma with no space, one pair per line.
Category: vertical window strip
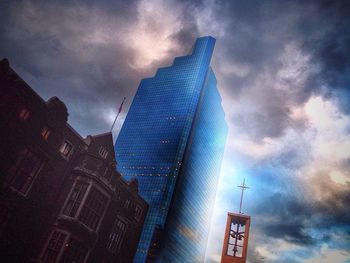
116,236
74,251
24,171
75,198
93,208
54,247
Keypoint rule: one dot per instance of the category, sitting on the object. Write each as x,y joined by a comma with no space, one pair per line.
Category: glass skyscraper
172,141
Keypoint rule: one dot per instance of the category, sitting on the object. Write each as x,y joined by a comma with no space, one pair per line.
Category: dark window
75,198
66,148
116,236
93,208
117,194
45,133
54,247
24,171
5,214
103,152
74,252
24,114
127,203
108,174
138,212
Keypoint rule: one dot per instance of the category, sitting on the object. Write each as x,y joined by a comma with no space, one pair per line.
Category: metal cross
243,187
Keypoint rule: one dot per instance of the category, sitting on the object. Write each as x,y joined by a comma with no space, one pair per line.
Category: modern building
172,141
61,198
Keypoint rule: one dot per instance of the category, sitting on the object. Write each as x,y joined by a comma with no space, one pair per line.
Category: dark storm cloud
331,50
256,35
290,214
79,51
49,45
294,218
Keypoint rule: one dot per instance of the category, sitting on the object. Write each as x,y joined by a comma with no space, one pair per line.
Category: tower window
116,236
138,212
45,133
24,114
103,152
127,203
66,149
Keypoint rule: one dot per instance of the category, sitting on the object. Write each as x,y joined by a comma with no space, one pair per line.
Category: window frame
78,212
69,198
17,167
91,208
112,245
138,215
70,152
24,113
61,251
127,203
103,152
45,132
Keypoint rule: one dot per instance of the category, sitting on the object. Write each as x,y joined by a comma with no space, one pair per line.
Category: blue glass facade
172,141
188,222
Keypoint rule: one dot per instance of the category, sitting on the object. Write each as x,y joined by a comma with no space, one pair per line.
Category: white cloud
234,68
330,142
150,37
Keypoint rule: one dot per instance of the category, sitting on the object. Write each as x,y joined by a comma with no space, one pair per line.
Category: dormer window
66,149
103,152
24,114
127,203
45,132
138,213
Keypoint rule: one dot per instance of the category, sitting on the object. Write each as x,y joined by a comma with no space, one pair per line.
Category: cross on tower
243,187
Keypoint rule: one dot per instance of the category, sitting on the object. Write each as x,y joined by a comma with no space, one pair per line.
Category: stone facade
61,198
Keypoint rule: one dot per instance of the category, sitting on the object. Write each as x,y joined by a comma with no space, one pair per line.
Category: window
75,198
45,133
5,215
74,252
138,213
66,148
24,114
103,152
54,247
63,250
24,171
127,203
117,194
93,208
116,236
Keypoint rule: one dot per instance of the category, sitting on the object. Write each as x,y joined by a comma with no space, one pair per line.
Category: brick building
61,198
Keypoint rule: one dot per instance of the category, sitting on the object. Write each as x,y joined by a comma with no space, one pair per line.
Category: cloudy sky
283,71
